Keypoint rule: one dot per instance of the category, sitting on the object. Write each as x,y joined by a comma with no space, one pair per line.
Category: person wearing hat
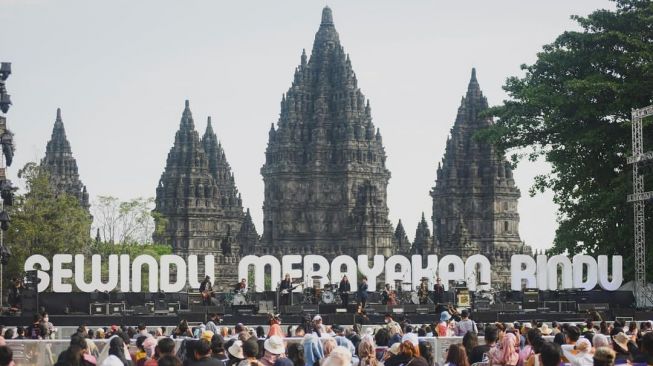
274,350
250,351
546,331
583,354
623,346
318,327
408,353
443,325
234,352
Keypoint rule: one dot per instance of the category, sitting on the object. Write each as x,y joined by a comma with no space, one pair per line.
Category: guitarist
286,284
207,291
343,288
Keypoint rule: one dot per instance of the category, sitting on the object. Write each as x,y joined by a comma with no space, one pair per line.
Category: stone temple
325,175
62,166
326,181
475,197
198,208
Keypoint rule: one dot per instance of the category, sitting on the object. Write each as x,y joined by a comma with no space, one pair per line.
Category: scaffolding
643,295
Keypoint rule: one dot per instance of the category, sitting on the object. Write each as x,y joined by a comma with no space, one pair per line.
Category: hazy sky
121,70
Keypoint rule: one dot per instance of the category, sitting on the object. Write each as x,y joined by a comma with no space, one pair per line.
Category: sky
120,71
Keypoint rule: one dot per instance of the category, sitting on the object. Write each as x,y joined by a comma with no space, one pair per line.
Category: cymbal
482,284
316,277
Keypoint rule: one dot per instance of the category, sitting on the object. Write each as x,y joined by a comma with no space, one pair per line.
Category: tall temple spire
220,169
186,192
62,166
325,175
475,197
423,240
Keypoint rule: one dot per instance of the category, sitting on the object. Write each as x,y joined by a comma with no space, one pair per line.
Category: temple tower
197,200
62,166
475,197
324,173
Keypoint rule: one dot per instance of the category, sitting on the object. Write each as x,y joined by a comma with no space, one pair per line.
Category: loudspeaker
116,308
214,309
98,309
376,309
531,299
291,309
173,307
141,310
195,299
410,308
265,307
150,307
424,309
597,307
309,309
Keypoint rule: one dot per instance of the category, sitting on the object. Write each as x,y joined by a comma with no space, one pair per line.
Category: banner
172,273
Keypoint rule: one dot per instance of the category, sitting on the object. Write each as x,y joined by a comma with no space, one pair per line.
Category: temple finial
327,16
187,103
473,74
304,57
58,114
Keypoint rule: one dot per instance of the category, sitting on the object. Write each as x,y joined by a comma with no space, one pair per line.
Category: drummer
241,286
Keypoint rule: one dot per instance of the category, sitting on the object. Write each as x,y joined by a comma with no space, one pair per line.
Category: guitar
289,290
207,294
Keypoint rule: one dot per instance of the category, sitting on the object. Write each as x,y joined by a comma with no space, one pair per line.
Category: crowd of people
317,344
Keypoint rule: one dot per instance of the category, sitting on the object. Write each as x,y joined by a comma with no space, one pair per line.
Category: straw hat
411,337
207,334
394,349
545,329
621,340
236,349
274,345
583,345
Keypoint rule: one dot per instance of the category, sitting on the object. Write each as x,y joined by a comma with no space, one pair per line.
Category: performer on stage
344,289
385,295
423,292
362,293
15,297
438,292
286,285
241,286
207,291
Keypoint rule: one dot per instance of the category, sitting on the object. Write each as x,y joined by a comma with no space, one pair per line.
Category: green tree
124,222
44,221
573,108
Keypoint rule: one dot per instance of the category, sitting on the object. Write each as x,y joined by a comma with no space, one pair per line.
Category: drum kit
318,294
405,293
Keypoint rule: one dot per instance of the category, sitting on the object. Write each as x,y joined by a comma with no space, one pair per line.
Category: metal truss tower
643,295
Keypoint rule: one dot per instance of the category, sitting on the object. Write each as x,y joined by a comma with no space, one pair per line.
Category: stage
167,309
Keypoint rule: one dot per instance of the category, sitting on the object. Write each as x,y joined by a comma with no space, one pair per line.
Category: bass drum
240,299
414,298
328,297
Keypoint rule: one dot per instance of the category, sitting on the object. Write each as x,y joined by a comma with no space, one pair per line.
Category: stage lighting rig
5,99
